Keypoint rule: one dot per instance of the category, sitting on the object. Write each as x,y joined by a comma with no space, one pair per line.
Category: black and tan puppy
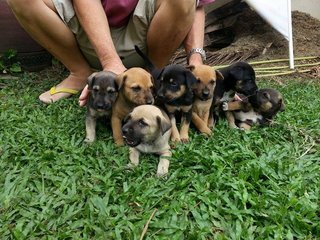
147,129
238,77
103,91
135,88
203,95
176,94
259,108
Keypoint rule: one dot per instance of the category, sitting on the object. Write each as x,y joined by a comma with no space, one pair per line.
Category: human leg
169,27
40,19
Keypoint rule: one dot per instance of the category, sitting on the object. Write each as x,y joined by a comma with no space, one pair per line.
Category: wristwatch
197,50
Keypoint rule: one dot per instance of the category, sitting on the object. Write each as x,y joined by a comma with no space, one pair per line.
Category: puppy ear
190,79
191,67
219,75
163,124
120,80
266,95
90,80
282,106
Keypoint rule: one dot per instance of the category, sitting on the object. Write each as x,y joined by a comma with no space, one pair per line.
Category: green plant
9,62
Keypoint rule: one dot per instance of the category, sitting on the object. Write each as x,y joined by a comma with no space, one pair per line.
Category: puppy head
136,85
175,81
206,81
268,102
144,124
242,76
103,90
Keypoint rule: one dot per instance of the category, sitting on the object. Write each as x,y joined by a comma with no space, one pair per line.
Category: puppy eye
212,82
111,91
174,84
142,123
136,89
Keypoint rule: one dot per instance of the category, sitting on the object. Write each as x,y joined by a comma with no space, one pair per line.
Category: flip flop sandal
54,91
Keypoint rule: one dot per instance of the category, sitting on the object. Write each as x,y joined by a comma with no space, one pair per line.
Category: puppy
147,129
176,93
238,77
135,88
203,93
103,91
259,108
174,85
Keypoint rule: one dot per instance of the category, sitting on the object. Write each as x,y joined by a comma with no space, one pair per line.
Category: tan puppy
203,95
135,88
147,129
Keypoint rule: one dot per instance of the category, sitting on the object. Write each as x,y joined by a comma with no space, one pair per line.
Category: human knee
19,6
184,8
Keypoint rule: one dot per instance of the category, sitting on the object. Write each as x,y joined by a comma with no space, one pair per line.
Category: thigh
135,33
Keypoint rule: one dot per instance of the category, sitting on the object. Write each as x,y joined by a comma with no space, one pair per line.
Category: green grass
262,184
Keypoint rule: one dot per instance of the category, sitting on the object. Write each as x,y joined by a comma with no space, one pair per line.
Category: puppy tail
149,64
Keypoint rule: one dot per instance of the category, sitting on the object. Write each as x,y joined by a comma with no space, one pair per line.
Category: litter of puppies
146,106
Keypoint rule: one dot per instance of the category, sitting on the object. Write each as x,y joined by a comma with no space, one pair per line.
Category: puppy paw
175,139
234,126
131,166
185,140
225,106
119,143
88,140
206,132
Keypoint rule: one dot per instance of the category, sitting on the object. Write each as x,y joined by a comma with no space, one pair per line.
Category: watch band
200,51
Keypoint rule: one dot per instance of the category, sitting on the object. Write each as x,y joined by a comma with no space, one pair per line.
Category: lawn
262,184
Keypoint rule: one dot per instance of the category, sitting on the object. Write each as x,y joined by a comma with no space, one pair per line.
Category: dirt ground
258,41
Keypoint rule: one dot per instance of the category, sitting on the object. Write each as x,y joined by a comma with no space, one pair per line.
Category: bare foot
68,87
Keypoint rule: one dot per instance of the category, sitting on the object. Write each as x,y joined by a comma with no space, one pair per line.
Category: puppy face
206,81
175,81
144,124
103,91
268,102
244,78
136,85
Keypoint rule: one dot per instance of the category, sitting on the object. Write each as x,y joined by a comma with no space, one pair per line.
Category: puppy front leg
134,155
185,123
232,106
200,124
244,126
163,166
231,119
90,129
175,136
116,130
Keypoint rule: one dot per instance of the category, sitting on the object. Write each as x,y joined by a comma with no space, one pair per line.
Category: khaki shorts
124,38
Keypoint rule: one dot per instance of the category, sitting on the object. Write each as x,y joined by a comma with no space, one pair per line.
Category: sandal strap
54,90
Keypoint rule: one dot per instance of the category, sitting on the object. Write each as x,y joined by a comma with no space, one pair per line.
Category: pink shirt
119,11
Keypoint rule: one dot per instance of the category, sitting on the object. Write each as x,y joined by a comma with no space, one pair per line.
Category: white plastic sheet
278,14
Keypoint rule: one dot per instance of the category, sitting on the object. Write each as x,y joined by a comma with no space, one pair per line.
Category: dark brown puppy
238,77
135,88
176,94
103,91
147,129
203,95
259,108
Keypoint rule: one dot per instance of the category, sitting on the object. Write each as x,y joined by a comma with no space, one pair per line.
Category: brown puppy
259,109
203,95
135,88
103,91
147,129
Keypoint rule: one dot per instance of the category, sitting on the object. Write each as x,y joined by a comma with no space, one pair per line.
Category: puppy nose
205,92
149,101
